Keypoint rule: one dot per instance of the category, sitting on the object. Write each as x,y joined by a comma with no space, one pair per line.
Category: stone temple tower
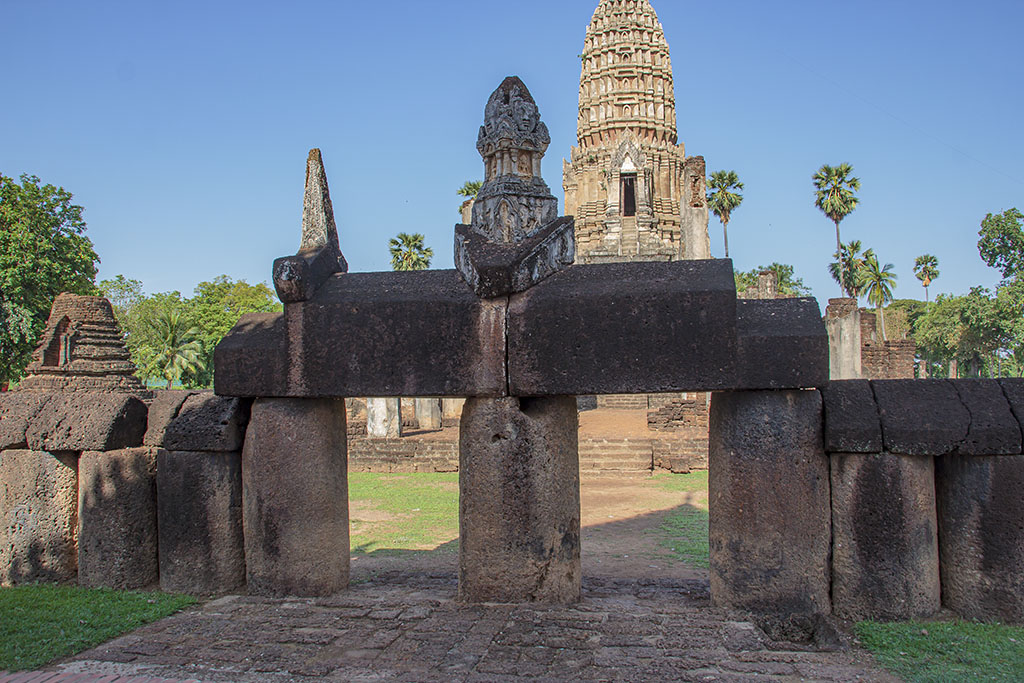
635,194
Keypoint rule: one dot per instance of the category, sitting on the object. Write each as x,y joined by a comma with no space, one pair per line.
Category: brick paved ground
408,628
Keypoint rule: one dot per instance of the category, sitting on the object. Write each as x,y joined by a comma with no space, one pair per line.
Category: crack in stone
1016,415
958,448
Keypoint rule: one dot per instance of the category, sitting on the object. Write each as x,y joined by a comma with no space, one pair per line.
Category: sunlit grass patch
40,623
937,652
690,482
399,512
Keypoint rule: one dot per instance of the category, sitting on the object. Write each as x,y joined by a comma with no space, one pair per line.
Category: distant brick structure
856,349
891,359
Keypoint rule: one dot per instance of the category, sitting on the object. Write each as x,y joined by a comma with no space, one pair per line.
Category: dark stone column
885,562
295,497
770,512
981,535
519,500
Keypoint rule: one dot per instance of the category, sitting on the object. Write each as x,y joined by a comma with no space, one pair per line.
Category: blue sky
183,127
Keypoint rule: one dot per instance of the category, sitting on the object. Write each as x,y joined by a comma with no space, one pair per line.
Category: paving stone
852,424
117,519
38,517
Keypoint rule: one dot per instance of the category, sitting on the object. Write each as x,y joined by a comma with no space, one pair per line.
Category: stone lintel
993,429
497,269
17,410
782,344
206,422
625,328
851,417
82,421
1013,389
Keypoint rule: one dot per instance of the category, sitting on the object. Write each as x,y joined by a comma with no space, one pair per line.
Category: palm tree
834,187
723,201
175,346
470,189
851,266
408,252
926,268
879,282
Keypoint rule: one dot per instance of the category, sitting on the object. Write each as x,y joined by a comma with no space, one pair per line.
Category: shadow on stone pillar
768,491
519,500
295,497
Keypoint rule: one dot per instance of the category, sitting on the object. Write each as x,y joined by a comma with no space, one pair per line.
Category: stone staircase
599,455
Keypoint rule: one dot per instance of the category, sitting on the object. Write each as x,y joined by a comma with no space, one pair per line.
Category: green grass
937,652
40,623
421,511
691,482
685,530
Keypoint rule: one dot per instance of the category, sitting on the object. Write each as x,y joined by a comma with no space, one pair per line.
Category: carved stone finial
297,277
515,238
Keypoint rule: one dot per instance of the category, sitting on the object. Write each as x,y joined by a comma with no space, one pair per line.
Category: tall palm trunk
839,250
881,317
725,231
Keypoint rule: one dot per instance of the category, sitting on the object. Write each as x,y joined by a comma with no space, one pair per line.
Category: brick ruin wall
891,359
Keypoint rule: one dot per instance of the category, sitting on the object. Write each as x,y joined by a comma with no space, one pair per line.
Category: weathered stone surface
768,492
1013,389
921,416
885,546
117,525
993,430
162,409
428,413
17,410
851,417
498,269
207,422
80,421
519,500
405,334
842,321
981,535
782,344
625,328
38,517
295,497
199,514
383,418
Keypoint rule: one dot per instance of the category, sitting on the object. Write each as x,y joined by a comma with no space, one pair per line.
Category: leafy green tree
849,265
834,188
409,253
1002,242
926,269
723,200
879,282
470,189
43,252
967,330
789,284
175,346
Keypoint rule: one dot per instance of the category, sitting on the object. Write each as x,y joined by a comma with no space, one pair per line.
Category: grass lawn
685,530
937,652
400,512
40,623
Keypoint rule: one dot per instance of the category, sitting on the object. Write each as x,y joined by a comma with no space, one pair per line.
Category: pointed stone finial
297,277
515,238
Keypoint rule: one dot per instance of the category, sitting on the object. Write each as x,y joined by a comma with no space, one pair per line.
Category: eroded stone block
851,417
768,491
1013,389
199,514
625,328
17,410
519,501
207,422
782,344
295,497
162,410
38,517
993,429
921,416
885,547
81,421
117,522
981,535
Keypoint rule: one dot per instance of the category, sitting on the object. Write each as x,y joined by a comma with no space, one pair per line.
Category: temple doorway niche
628,194
639,521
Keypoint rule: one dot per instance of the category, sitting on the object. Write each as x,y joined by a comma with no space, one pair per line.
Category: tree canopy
878,281
926,269
849,265
789,284
723,200
408,252
1002,242
43,252
834,188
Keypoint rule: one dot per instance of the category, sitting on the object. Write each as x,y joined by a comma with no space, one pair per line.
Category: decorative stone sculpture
297,277
515,238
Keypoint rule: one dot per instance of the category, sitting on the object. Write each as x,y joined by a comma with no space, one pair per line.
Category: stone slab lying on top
885,546
371,334
17,410
993,428
921,416
162,409
38,516
206,422
81,421
117,523
981,535
851,417
782,344
199,515
1013,389
625,328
